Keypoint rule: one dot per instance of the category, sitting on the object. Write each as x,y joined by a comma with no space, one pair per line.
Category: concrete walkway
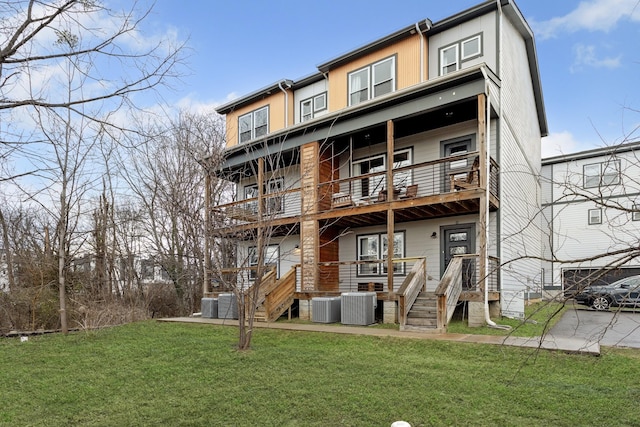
569,345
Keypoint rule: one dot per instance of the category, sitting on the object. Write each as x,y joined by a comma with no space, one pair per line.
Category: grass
540,317
153,373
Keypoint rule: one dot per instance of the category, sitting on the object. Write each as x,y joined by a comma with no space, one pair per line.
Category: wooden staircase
429,311
424,312
275,296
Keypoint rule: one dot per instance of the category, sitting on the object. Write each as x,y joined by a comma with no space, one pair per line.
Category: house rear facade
430,135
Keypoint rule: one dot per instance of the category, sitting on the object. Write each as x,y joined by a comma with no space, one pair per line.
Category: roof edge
253,96
594,152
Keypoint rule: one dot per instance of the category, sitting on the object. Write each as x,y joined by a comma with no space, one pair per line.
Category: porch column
260,237
207,233
483,157
309,238
390,213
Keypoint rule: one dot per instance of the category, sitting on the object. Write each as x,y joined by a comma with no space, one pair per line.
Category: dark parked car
624,292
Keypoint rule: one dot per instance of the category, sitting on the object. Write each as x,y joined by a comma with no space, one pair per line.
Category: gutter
286,101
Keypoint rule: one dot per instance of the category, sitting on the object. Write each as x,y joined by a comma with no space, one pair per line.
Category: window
401,159
635,213
254,124
471,48
372,185
611,172
372,81
271,259
601,174
275,204
272,204
452,56
373,247
595,216
449,60
310,107
251,192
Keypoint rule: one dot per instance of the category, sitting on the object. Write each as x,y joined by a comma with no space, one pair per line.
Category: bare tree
246,234
69,71
166,178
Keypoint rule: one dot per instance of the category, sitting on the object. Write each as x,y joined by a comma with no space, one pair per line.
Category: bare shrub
162,300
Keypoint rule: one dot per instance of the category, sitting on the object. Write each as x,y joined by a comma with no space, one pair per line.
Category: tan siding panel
276,103
407,69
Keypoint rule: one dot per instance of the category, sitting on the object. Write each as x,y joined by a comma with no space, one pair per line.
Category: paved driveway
612,328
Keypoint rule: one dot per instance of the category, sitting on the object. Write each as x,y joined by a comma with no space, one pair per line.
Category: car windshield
628,282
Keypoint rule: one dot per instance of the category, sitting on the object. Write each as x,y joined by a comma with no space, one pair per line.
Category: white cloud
585,56
557,144
193,105
594,15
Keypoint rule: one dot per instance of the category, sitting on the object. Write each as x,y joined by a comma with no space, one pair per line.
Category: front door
459,240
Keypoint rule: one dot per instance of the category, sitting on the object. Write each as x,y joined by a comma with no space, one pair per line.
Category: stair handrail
266,282
449,290
413,284
279,296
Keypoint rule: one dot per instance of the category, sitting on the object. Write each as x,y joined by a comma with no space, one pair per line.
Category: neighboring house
591,202
137,270
430,135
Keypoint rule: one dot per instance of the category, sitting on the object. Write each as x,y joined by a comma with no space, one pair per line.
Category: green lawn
539,319
167,374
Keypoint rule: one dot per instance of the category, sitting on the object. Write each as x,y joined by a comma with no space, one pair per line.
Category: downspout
487,171
421,51
427,24
487,165
286,103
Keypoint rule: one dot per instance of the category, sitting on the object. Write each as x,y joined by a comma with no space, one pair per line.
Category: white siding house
591,205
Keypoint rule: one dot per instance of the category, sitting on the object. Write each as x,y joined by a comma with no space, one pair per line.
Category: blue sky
588,53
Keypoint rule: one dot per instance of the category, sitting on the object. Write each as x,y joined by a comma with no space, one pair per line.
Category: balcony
443,187
437,188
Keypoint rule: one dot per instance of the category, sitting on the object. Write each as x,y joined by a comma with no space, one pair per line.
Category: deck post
483,211
390,212
207,233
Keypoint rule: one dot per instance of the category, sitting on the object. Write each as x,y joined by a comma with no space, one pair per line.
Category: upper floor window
271,260
275,199
635,212
254,124
372,81
455,54
601,174
310,107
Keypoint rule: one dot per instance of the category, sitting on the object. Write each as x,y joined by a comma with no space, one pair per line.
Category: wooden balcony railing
448,291
277,297
414,283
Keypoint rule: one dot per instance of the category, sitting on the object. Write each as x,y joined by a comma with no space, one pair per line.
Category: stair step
433,304
422,322
424,310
